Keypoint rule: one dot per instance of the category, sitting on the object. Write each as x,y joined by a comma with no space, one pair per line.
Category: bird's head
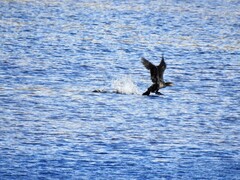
168,83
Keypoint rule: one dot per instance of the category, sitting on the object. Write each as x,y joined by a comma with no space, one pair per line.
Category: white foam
125,85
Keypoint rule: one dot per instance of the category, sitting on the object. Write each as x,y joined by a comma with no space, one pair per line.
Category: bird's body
156,73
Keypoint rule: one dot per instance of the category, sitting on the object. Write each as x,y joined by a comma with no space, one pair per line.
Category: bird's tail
162,56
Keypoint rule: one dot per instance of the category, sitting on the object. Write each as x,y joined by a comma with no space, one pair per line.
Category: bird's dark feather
155,71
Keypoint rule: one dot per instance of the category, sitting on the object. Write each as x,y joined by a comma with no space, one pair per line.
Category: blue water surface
53,54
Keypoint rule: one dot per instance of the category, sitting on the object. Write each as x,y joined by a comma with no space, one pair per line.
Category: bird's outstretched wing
161,68
147,64
153,70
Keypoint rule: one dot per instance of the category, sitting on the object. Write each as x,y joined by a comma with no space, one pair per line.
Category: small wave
125,85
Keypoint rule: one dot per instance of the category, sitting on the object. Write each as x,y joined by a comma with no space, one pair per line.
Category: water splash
125,85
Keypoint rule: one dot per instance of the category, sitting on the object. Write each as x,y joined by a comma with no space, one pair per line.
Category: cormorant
156,76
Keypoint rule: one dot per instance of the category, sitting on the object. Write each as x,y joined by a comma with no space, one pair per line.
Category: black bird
156,76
